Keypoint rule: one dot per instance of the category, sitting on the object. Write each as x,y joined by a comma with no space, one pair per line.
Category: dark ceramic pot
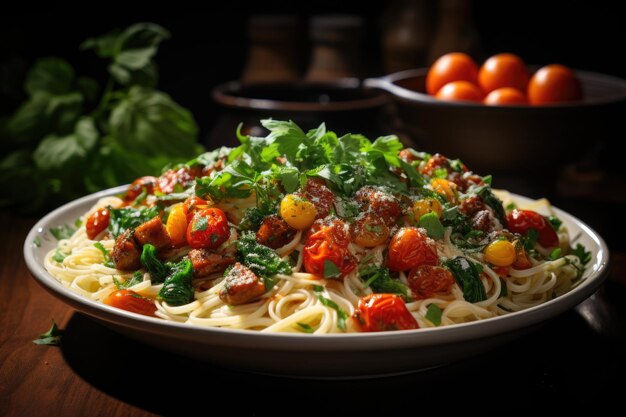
513,139
345,107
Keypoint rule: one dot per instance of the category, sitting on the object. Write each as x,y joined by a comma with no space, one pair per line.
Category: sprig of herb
52,337
341,314
108,262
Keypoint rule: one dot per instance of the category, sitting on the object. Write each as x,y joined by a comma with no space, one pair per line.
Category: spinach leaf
433,314
494,202
126,218
467,275
136,279
177,289
430,222
380,281
158,270
263,261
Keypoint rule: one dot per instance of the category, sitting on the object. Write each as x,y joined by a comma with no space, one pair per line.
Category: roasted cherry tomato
437,161
554,84
208,229
522,261
383,312
451,67
183,177
131,301
369,231
320,195
506,96
328,242
409,248
176,225
503,70
427,280
194,204
521,221
460,91
379,203
97,222
147,184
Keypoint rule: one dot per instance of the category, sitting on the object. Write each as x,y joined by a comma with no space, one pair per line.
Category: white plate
357,354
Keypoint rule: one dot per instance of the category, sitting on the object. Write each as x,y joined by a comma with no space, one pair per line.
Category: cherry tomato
380,203
149,184
320,195
460,91
131,301
506,96
451,67
427,280
194,204
183,177
503,70
383,312
97,222
176,225
437,161
408,155
521,221
369,231
328,242
522,261
208,229
409,248
554,84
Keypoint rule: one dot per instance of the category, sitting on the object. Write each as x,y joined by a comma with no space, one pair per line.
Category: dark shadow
563,365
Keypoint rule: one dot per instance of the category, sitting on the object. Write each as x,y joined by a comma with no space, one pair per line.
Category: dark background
208,48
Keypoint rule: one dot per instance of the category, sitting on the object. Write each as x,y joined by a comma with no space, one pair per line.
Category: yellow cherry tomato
445,188
176,225
500,253
297,211
425,206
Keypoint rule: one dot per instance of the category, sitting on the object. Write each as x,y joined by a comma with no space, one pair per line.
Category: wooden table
571,362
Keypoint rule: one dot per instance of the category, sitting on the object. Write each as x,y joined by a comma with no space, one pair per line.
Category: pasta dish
311,232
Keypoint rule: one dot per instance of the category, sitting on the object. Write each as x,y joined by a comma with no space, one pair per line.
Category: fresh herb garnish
37,241
136,279
467,276
63,231
555,222
158,270
318,288
511,206
582,253
430,222
51,337
200,224
492,201
433,314
252,219
293,258
341,314
105,254
555,254
380,281
126,218
530,240
177,289
59,255
305,327
330,269
504,290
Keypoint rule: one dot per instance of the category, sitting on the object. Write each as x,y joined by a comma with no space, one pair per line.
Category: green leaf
318,288
430,222
63,231
104,46
555,222
380,281
494,202
105,254
582,253
126,218
467,276
555,254
51,337
305,327
331,270
433,314
50,75
63,153
530,240
341,314
200,224
284,139
178,289
59,256
263,261
289,178
136,279
237,180
151,123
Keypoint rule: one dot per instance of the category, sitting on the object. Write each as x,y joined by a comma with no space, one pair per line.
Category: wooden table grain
571,362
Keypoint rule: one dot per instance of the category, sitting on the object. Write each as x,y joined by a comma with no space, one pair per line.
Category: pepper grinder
273,53
336,47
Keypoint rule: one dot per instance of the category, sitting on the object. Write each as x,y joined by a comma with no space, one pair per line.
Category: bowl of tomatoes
504,116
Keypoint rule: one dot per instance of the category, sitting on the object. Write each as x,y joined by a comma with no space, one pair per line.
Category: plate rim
293,341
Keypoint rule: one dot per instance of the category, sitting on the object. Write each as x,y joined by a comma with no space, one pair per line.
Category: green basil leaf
433,314
430,222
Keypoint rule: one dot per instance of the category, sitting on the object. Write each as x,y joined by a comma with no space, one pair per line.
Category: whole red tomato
427,280
131,301
97,222
208,229
326,251
451,67
554,84
521,221
503,70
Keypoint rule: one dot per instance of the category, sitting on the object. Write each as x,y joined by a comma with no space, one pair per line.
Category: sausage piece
126,253
206,262
153,231
275,232
241,286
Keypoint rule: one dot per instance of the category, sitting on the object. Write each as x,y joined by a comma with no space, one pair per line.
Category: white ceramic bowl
357,354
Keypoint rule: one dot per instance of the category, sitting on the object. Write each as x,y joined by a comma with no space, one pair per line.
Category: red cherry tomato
460,91
131,301
383,312
97,222
320,195
503,70
183,177
328,242
521,221
451,67
426,281
194,204
409,248
506,96
149,184
208,229
437,161
554,84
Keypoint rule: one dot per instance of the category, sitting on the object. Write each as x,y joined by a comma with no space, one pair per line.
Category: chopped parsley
433,314
105,254
59,255
305,327
341,314
331,270
200,224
